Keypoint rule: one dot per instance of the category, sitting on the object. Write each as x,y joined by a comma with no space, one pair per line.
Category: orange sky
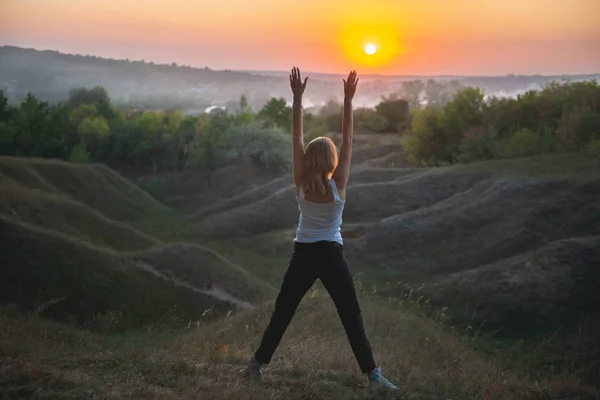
476,37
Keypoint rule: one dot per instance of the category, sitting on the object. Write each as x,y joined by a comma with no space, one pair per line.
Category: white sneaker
253,370
378,383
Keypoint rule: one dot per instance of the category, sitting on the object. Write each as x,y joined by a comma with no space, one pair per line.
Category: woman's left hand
296,83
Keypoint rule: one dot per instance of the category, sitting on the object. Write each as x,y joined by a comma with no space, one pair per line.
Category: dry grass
37,262
95,186
42,360
55,210
582,165
191,190
496,219
524,290
465,217
402,192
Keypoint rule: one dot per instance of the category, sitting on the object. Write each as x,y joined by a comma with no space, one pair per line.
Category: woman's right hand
350,86
296,83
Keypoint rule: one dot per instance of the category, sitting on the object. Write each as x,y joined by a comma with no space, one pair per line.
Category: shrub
79,154
93,127
547,141
268,147
426,144
368,120
315,126
480,143
522,143
394,112
594,145
568,129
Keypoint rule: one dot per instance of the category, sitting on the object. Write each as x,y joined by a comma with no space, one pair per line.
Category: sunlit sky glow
425,37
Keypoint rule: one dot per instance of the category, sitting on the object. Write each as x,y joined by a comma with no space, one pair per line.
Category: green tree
61,135
480,143
93,128
523,143
3,107
276,112
426,144
95,95
174,141
396,112
266,147
149,123
150,146
203,151
243,118
8,135
368,120
33,119
79,114
463,113
79,154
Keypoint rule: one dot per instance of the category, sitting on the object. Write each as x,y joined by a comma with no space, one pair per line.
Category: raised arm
298,140
343,169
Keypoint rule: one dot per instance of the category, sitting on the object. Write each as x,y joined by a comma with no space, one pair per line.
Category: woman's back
320,221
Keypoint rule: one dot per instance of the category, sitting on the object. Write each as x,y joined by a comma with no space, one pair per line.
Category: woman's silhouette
320,180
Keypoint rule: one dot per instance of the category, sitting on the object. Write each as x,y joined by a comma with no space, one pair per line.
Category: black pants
309,262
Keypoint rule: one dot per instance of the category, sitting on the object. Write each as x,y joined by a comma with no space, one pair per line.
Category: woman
320,181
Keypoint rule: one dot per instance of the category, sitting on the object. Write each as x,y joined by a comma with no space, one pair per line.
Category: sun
370,49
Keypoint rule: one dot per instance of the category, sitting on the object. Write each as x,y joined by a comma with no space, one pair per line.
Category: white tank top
320,221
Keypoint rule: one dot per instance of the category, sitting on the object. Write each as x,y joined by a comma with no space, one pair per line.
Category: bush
522,143
395,113
93,128
315,126
426,144
480,143
79,154
268,147
367,120
594,145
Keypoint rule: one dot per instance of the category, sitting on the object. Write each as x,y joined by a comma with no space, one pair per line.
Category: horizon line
278,71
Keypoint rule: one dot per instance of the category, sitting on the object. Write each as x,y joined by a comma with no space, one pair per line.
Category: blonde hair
320,160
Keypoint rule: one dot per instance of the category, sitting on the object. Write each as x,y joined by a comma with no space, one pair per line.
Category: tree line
445,123
87,127
562,117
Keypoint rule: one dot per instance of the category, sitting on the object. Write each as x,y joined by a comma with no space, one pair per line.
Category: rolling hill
509,245
430,226
66,235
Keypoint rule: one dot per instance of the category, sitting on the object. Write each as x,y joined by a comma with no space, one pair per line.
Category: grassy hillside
62,226
553,285
508,245
192,190
59,212
45,360
496,219
40,265
203,268
96,186
448,228
378,193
